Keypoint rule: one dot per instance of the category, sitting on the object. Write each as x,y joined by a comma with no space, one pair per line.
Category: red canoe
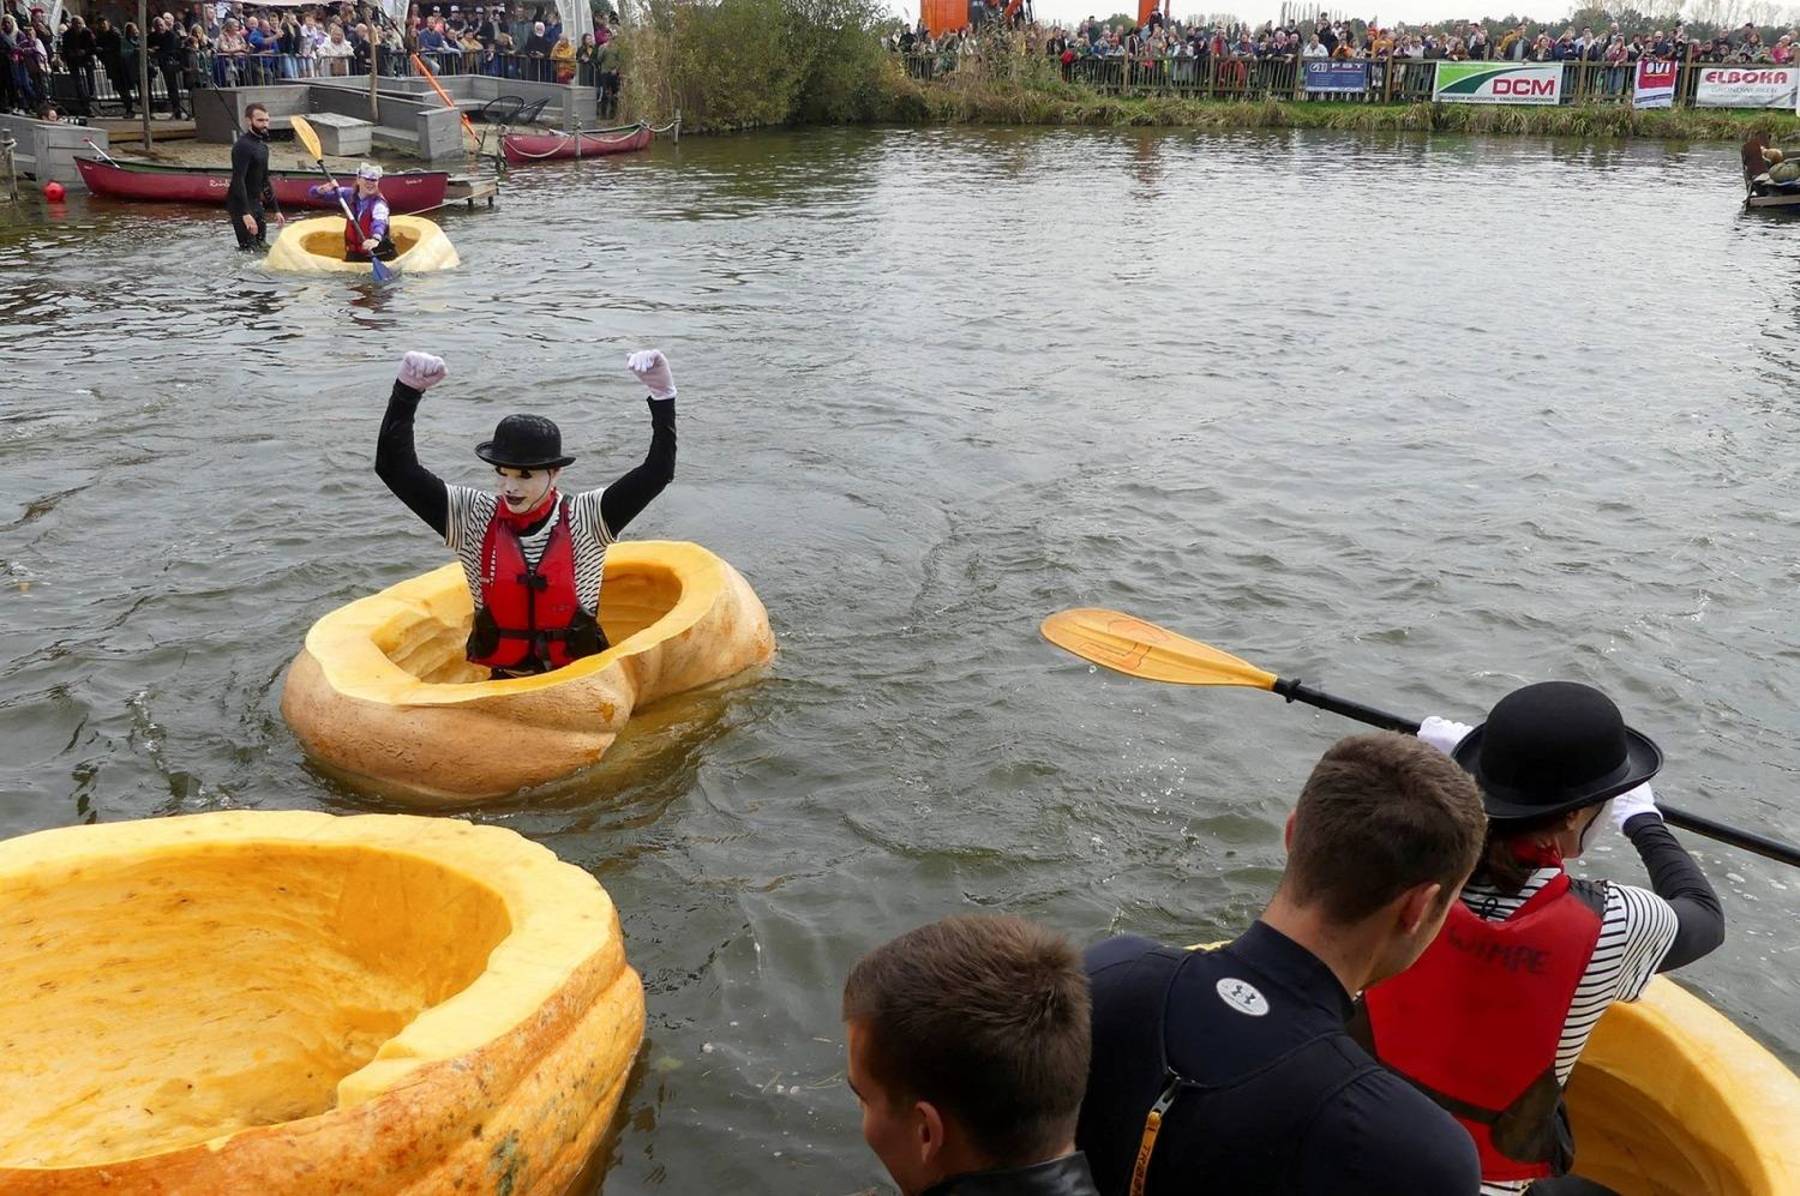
409,192
521,148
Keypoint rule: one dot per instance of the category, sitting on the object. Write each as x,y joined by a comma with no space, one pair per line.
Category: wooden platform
471,187
131,132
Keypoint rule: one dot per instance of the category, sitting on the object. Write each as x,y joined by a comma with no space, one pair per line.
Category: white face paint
523,489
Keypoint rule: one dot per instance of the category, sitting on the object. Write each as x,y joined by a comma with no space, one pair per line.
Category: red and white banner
1746,87
1655,84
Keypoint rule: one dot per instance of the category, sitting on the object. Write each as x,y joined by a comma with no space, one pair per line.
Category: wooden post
374,74
143,24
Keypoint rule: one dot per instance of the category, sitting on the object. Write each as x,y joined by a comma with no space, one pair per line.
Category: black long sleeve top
1677,879
397,464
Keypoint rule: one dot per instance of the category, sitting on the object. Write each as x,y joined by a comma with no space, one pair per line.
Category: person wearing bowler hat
1491,1019
533,556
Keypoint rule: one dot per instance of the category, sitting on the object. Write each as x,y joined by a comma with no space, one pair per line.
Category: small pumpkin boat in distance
382,692
291,1002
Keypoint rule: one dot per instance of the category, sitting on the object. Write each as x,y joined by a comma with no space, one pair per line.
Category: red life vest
355,233
530,618
1475,1024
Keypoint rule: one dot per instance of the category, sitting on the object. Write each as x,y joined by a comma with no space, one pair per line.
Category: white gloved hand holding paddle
652,369
1443,734
422,371
1631,803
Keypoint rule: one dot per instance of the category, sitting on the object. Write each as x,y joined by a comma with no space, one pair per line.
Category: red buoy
53,191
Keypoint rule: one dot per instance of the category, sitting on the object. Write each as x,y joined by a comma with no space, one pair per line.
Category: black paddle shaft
1762,845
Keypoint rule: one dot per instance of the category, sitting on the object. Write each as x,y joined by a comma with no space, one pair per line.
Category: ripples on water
1417,419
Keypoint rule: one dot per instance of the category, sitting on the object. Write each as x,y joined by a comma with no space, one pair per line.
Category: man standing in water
250,189
533,557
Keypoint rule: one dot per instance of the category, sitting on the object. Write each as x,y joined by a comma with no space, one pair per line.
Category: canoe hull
410,192
521,149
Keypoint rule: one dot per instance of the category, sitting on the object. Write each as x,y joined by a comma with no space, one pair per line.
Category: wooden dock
471,187
131,132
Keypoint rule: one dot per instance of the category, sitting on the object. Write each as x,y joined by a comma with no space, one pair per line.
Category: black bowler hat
1553,747
524,442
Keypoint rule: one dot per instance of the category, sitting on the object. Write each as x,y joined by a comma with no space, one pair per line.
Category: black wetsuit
1277,1099
397,464
250,189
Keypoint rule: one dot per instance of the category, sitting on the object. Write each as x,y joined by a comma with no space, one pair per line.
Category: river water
1418,419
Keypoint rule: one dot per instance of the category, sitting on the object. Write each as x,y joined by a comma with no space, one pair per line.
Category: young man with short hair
968,1045
1231,1070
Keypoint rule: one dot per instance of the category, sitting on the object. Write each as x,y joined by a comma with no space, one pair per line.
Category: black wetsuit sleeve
626,498
397,463
1677,879
238,198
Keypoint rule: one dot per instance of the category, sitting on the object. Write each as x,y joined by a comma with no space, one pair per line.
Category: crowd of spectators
228,44
1161,39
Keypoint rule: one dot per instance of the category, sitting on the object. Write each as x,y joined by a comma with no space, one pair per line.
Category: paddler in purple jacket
367,235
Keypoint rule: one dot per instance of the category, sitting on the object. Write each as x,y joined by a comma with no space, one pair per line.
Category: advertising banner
1746,87
1337,76
1655,84
1498,83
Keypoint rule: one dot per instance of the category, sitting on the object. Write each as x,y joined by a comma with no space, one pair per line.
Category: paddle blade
303,130
1139,649
382,271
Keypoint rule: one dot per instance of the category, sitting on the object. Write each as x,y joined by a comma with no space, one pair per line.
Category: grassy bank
1003,102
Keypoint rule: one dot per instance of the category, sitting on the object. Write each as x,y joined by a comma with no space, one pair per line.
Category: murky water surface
1416,419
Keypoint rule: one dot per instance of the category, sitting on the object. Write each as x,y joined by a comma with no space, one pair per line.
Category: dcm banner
1498,83
1746,87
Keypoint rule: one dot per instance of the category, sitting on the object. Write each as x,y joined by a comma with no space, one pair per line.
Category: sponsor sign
1498,83
1746,87
1337,76
1655,84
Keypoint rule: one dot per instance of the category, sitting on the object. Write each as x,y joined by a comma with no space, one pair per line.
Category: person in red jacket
1491,1019
533,557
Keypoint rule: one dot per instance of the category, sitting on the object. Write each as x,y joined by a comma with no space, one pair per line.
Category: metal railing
88,92
1389,80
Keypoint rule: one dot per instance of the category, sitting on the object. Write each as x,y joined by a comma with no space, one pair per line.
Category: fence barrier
1388,80
94,90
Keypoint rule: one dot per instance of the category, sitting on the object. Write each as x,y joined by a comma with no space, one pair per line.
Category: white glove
1631,803
422,371
1443,734
652,369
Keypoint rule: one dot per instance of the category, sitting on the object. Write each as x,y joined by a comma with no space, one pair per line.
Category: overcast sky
1385,12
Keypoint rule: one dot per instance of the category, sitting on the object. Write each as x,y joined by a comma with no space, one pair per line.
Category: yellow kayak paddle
1130,645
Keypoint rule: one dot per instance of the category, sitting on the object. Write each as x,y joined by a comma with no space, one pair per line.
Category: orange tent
1145,8
944,16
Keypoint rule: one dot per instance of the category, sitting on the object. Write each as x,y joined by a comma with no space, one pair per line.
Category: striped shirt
471,510
1636,931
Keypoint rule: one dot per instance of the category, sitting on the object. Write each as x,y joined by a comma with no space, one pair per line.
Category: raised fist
422,371
652,369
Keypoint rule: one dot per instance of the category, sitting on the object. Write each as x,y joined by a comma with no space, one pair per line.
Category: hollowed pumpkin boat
1671,1099
292,1002
316,246
383,693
